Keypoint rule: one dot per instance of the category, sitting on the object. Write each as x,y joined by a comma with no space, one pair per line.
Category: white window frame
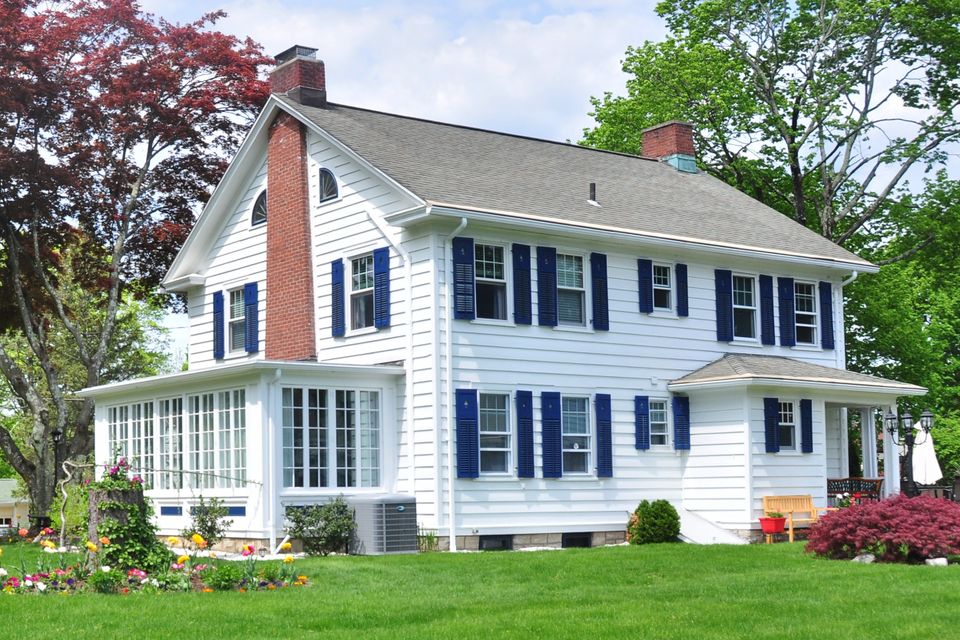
669,287
334,198
582,290
665,422
787,408
504,282
752,308
236,321
365,291
586,452
508,432
814,314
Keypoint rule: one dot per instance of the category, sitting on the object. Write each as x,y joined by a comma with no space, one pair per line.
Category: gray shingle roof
7,487
488,171
743,367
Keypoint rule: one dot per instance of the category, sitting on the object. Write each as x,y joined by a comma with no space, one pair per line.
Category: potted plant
774,522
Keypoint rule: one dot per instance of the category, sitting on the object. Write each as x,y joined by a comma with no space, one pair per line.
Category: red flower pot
772,525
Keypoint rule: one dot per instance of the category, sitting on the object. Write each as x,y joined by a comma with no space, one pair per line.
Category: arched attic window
259,214
328,186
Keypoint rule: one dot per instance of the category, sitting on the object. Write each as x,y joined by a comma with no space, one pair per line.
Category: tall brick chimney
300,76
672,143
290,300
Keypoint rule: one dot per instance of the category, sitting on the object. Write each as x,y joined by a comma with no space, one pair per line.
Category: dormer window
328,186
259,215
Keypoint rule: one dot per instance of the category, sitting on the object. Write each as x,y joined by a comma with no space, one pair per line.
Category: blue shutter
468,434
826,315
218,325
806,426
771,424
338,325
604,437
525,434
381,288
641,422
550,430
766,311
724,292
522,298
598,275
547,286
251,318
788,320
683,308
681,423
463,305
645,284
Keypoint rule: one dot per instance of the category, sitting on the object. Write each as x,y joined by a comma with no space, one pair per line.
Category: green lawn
657,591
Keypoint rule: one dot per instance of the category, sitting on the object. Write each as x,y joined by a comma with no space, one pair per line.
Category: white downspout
448,366
269,480
853,276
408,358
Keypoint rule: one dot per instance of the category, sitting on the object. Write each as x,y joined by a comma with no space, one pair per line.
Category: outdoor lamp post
904,431
57,437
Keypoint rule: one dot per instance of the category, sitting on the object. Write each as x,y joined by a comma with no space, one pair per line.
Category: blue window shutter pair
381,288
550,430
788,327
598,288
645,284
338,325
826,315
681,423
604,436
547,286
522,295
468,434
463,279
641,421
218,328
724,297
525,434
251,318
766,310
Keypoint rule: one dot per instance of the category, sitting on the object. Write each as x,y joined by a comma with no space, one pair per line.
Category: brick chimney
290,300
672,143
300,76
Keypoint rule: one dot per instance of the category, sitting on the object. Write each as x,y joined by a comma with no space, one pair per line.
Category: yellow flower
92,548
104,540
287,559
207,590
197,539
302,578
212,554
183,559
173,541
48,544
286,546
271,587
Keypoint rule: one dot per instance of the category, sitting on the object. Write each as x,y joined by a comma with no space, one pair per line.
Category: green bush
224,576
323,529
655,521
106,580
209,520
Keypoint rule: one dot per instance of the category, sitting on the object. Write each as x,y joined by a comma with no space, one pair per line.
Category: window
494,433
658,423
237,321
305,449
805,301
571,294
130,435
328,186
259,214
744,307
358,438
6,522
662,287
361,292
786,423
200,419
231,439
575,434
170,415
491,282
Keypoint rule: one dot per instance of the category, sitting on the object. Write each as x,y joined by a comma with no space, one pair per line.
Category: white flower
3,572
28,583
41,586
105,569
154,582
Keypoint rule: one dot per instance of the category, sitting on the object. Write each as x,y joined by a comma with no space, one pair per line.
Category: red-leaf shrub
899,529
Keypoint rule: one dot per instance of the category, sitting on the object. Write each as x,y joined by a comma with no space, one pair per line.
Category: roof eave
896,389
438,210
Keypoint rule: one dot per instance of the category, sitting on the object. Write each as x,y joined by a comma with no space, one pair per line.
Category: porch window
170,418
130,435
787,426
231,439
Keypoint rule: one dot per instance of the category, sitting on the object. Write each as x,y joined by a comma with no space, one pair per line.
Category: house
13,509
526,336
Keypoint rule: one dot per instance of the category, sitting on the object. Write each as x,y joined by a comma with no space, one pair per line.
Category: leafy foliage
899,529
224,576
651,522
323,529
209,520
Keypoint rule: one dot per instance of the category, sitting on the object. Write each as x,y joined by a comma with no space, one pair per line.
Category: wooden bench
797,509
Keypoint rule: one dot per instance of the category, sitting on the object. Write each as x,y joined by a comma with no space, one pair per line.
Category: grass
651,592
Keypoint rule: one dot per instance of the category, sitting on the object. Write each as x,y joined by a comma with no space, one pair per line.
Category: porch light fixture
906,431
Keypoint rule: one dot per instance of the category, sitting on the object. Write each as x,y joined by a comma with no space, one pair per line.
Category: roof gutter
803,383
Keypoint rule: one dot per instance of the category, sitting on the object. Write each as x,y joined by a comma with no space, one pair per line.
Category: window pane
236,304
361,310
570,307
362,273
328,185
569,271
661,298
494,461
661,276
489,262
491,300
576,462
743,323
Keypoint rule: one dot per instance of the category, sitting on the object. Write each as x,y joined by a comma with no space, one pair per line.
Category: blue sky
520,67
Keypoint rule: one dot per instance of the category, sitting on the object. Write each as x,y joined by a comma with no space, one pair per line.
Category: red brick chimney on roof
671,142
300,76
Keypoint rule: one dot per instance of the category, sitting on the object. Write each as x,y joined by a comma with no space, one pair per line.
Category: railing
868,488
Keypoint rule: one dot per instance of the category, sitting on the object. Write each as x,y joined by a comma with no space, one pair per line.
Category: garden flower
182,560
92,548
197,538
105,569
207,590
271,587
202,544
247,550
47,531
302,578
139,574
286,546
3,572
176,566
136,480
287,559
48,544
23,533
41,586
104,540
173,541
213,554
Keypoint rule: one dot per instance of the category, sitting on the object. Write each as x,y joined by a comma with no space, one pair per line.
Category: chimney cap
667,124
296,51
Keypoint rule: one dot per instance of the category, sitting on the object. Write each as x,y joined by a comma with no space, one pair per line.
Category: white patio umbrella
926,469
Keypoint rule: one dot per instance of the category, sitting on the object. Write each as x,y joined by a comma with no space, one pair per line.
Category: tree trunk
103,507
41,489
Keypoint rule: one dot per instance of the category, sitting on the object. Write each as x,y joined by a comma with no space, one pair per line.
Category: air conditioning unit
385,524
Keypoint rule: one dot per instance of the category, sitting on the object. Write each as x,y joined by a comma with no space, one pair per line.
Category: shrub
655,521
225,576
209,520
323,529
106,580
899,529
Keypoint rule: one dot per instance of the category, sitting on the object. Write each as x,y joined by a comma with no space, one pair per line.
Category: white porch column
844,443
868,436
891,460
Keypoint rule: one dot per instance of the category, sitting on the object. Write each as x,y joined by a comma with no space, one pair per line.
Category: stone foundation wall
534,540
